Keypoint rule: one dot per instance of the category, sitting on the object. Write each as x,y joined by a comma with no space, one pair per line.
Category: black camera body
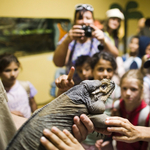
87,30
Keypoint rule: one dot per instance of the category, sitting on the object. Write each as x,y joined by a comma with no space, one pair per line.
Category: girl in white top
20,102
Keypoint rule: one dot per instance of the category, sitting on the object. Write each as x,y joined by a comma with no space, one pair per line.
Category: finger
77,133
77,27
62,136
118,121
122,139
47,144
71,73
70,136
105,143
117,118
55,137
87,123
79,130
120,130
94,27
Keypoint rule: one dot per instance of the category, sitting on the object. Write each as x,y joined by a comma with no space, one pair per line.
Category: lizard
88,97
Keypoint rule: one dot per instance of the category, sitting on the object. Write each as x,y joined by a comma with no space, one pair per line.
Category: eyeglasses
86,6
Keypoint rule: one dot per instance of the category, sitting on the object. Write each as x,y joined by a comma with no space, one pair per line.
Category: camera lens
87,30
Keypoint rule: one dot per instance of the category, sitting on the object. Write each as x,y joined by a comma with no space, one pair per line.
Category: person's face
10,73
131,92
103,69
84,71
86,19
134,45
147,51
113,23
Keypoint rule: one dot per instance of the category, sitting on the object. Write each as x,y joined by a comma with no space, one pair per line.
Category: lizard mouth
104,91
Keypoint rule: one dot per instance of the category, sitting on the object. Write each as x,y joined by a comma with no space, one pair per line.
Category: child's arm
33,104
59,140
65,82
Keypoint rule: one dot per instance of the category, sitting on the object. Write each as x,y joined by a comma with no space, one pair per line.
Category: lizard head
92,93
98,91
104,90
95,89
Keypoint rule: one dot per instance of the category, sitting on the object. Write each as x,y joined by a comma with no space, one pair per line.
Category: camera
88,30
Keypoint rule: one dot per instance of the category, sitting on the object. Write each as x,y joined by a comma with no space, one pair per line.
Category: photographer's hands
108,46
76,33
98,34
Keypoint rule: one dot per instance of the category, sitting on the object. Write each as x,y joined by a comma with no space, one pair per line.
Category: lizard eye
103,86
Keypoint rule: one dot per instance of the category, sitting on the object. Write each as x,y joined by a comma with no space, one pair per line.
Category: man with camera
82,39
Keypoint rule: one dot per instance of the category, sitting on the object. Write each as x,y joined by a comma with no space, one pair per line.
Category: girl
104,66
132,106
112,26
111,29
20,101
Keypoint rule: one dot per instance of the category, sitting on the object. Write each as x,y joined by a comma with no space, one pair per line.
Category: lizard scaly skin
88,97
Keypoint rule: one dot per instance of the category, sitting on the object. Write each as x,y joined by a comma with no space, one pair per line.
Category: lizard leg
99,120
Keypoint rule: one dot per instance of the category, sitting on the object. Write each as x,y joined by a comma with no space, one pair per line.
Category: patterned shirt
18,99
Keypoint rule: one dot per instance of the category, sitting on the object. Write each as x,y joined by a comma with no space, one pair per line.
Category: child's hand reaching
100,145
60,140
65,82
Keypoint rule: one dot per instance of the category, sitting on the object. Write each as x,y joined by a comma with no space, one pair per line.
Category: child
20,94
131,61
132,106
104,66
83,67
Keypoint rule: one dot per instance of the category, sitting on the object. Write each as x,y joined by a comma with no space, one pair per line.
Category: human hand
103,145
82,127
76,33
98,34
58,139
130,133
65,82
